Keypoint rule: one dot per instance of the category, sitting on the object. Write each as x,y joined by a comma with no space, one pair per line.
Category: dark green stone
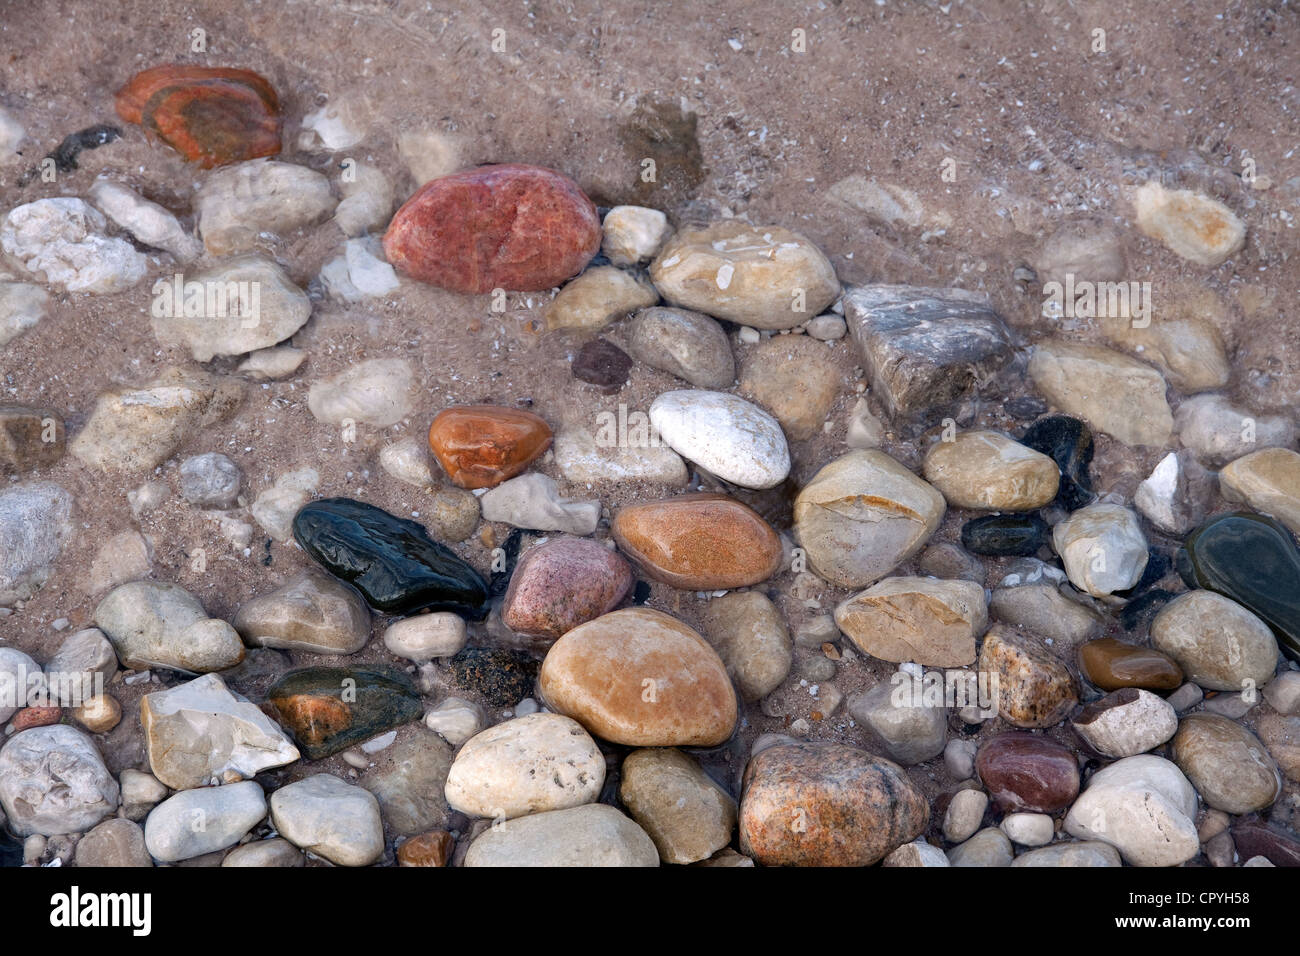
1018,535
1253,560
1068,442
503,677
393,562
328,709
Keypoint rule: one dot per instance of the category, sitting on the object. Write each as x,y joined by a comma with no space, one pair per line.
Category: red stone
428,849
1025,772
563,583
480,446
211,115
30,717
515,227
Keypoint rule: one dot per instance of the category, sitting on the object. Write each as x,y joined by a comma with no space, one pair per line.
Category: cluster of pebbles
940,645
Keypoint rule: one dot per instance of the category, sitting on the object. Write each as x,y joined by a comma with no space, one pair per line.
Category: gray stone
378,392
591,835
71,673
157,624
330,818
911,732
1218,431
409,781
533,501
195,822
35,523
989,847
22,682
964,815
149,222
236,204
115,842
53,780
1042,609
1072,853
276,851
312,612
210,480
686,344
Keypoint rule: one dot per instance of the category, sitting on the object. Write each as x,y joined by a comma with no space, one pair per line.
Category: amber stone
480,446
328,709
428,849
211,115
1025,772
1112,664
512,226
698,542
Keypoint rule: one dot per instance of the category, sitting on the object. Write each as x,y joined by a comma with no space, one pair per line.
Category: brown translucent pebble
821,804
563,583
428,849
642,678
1111,665
511,226
314,718
211,115
1027,773
698,542
480,446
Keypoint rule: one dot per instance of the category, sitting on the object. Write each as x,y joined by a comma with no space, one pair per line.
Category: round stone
53,780
927,620
729,437
1217,642
1229,766
1026,772
562,583
688,816
1126,722
331,818
480,446
426,636
682,343
987,471
793,377
311,612
1102,547
750,636
1033,688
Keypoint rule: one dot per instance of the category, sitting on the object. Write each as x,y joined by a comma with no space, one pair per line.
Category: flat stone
1184,345
793,377
426,849
587,458
688,816
1218,643
52,781
1218,431
210,480
989,847
598,297
751,637
1112,664
480,446
64,239
687,344
591,835
1228,765
1034,689
727,436
562,583
910,733
1268,481
377,392
426,636
195,822
533,501
1126,722
115,842
30,438
409,780
601,363
310,612
35,523
633,234
157,624
235,205
273,363
1071,853
927,620
328,709
1028,773
1192,225
277,852
330,818
1144,807
949,561
1005,535
887,204
987,471
1102,547
1042,609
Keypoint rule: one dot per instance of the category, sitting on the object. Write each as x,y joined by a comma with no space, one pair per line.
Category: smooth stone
729,437
379,392
30,438
1218,643
633,234
533,501
1144,807
236,205
986,471
1192,225
526,765
1176,495
1068,442
886,204
989,847
407,460
99,714
273,363
392,561
698,542
748,274
503,677
210,480
480,446
53,781
1028,773
1042,609
311,612
927,620
1218,431
360,273
71,673
821,804
426,636
328,709
115,842
1281,735
916,854
641,678
910,730
195,822
275,508
157,624
1126,722
959,758
1267,481
1071,853
687,815
65,240
35,524
1185,345
455,720
1034,689
277,852
827,328
1111,665
1013,535
330,818
562,583
367,202
1254,838
126,556
1102,547
601,295
1028,829
949,561
591,835
1228,765
30,717
1283,692
510,226
426,849
409,780
793,377
601,363
751,637
925,349
451,514
21,682
683,343
198,731
862,515
589,459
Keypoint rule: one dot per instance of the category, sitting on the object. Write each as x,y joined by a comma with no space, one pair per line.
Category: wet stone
603,364
328,709
1068,442
562,583
1025,772
1015,535
480,446
1112,664
1034,689
502,677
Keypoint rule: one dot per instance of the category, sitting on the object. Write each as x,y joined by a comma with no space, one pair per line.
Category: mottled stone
1116,394
210,480
426,849
53,780
503,677
1218,643
1193,225
310,612
330,818
591,835
1126,722
1034,689
71,673
1026,772
328,709
1176,495
751,637
562,583
30,438
1229,766
686,344
601,363
115,842
480,446
927,620
986,471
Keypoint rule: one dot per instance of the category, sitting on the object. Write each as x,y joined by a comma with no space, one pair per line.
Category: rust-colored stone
480,446
511,226
1111,665
211,115
313,718
1025,772
698,542
30,717
428,849
563,583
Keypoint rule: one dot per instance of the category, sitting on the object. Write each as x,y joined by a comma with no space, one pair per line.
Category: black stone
393,562
601,362
503,677
1138,613
641,593
1014,535
1026,407
328,709
1158,565
1253,560
1068,442
500,580
11,851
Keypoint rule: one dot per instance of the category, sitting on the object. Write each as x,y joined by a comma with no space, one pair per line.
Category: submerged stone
503,677
1005,535
1068,442
328,709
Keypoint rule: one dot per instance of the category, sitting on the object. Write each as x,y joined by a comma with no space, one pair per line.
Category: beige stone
592,835
1033,688
1194,226
931,621
1102,547
987,471
598,297
311,612
1218,643
688,816
1187,348
1116,394
1268,481
793,377
751,637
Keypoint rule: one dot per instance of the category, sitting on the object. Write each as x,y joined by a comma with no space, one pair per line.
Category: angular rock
562,583
1219,432
53,781
71,673
275,508
35,523
688,816
503,677
533,501
1102,547
633,234
149,222
1033,689
927,620
311,612
986,471
751,637
726,435
330,818
1268,481
157,624
1176,496
22,306
359,273
687,344
210,480
63,239
911,731
328,709
586,836
480,446
1115,394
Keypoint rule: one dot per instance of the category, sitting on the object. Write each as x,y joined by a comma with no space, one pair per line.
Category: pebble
311,612
1044,610
515,227
409,781
533,501
276,851
1003,536
1071,853
140,789
1086,248
1068,442
585,460
72,669
698,542
480,446
562,583
1176,496
35,523
910,729
686,814
989,847
526,765
825,804
917,853
53,780
925,349
274,363
887,204
1185,697
359,273
425,636
451,514
1218,643
862,515
1228,765
1144,807
1126,722
1102,547
751,637
1267,481
591,835
964,815
1028,773
64,240
407,460
426,849
377,392
766,277
502,676
1196,227
1187,347
158,624
199,730
641,678
794,378
987,471
603,364
275,508
1283,692
195,822
330,818
1034,689
367,202
729,437
1281,735
210,480
239,203
683,343
827,328
455,720
943,559
1116,394
147,221
12,135
328,709
115,842
30,717
633,234
927,620
339,124
99,714
598,297
959,758
1028,829
1218,431
22,306
1112,664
